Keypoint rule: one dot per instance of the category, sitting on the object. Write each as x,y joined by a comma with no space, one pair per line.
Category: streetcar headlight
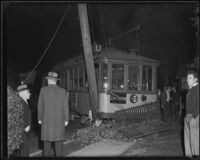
105,85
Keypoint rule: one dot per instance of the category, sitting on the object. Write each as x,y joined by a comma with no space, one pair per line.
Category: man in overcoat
53,115
24,94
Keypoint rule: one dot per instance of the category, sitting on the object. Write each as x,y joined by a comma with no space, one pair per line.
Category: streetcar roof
116,54
109,54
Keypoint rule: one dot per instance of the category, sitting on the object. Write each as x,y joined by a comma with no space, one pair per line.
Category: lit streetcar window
118,76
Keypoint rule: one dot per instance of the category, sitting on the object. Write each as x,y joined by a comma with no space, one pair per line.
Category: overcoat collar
54,85
25,101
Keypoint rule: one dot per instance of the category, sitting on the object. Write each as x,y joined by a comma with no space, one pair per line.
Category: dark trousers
58,148
170,110
166,109
24,150
175,111
162,113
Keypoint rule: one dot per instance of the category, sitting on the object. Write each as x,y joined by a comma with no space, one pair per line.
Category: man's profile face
27,94
191,80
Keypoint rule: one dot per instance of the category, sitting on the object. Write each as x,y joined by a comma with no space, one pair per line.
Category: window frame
138,75
147,67
124,75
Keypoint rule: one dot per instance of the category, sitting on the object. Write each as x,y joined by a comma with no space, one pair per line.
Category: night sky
166,32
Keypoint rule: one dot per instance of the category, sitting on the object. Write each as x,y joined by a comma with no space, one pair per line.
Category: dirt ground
168,143
165,144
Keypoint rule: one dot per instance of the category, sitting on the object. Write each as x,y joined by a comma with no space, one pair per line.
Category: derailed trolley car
124,80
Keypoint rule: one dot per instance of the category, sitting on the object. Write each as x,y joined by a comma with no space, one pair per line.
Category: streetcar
124,80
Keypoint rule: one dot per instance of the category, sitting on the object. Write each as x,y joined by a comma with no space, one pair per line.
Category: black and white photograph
100,79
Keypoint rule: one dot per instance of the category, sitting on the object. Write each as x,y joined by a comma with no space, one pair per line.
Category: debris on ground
92,134
108,129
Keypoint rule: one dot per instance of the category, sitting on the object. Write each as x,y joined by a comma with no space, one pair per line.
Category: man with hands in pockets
53,115
24,94
191,123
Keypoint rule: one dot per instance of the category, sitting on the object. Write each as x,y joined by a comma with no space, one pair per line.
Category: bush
15,120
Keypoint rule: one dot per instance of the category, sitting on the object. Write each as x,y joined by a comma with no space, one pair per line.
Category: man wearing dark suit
24,94
53,115
175,102
159,94
165,103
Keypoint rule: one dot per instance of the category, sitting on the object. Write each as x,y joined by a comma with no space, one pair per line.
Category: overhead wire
103,31
100,22
102,34
58,27
138,43
116,37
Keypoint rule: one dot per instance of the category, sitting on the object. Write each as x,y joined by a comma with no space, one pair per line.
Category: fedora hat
52,75
22,87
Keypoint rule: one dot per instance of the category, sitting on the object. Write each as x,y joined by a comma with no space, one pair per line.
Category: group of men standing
53,116
169,102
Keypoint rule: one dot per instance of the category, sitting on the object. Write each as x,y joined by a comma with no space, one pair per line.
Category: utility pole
89,61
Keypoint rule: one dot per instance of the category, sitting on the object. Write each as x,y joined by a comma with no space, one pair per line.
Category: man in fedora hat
24,94
53,115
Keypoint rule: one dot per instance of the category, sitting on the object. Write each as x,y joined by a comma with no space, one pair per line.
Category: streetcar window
75,78
147,78
85,81
118,76
104,70
86,85
44,82
133,75
59,75
96,65
65,78
62,79
71,79
81,74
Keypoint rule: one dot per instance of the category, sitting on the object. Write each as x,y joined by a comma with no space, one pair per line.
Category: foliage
92,134
15,120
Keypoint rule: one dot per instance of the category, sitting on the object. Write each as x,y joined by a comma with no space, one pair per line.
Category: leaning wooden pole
89,61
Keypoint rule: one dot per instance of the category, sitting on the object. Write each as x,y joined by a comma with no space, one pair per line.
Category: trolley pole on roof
89,61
